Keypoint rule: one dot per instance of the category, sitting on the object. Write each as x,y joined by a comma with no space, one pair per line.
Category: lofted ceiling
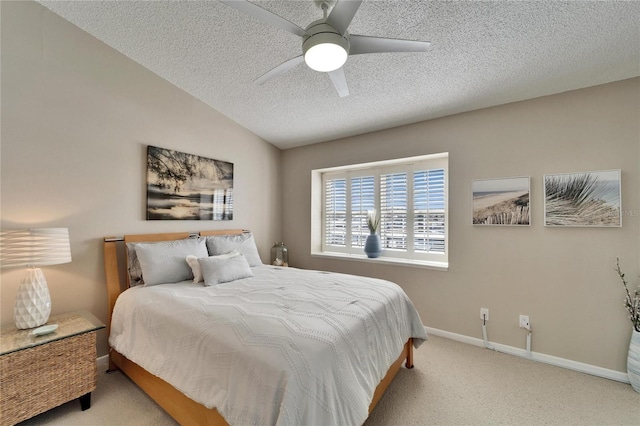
483,53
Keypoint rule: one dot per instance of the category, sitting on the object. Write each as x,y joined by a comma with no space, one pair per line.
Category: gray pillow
217,270
244,243
133,266
164,262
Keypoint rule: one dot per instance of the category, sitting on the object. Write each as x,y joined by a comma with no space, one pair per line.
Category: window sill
439,266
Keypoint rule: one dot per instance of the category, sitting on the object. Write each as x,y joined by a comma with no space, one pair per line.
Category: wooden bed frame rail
183,409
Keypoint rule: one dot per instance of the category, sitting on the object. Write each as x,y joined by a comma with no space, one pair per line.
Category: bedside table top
69,324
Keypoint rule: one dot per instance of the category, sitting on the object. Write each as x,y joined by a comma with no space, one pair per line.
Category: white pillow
216,270
195,265
163,263
244,243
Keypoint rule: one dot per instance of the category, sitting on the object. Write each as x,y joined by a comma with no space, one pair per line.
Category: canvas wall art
583,199
183,186
503,201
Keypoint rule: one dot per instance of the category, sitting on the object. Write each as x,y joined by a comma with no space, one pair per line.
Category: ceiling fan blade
365,44
265,16
339,82
342,14
280,69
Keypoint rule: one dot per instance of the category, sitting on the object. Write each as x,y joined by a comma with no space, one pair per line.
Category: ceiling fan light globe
325,50
325,57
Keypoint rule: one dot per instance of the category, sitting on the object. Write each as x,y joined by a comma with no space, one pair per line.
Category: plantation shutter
393,211
429,211
335,215
362,200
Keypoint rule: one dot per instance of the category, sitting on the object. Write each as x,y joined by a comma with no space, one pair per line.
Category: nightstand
38,373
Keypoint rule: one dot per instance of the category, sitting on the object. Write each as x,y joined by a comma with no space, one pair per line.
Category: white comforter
285,347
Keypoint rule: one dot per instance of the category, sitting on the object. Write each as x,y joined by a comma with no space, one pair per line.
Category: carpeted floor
452,384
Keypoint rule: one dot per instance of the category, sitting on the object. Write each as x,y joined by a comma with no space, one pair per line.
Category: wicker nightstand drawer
37,379
40,373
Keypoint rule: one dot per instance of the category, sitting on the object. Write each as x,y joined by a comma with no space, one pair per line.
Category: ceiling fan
326,42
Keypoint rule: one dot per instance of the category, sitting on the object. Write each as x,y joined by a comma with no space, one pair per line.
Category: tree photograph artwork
583,199
183,186
503,201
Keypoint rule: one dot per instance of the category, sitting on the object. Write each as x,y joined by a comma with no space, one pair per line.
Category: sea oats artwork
586,199
503,201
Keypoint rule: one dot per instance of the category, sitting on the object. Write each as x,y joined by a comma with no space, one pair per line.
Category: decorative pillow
244,243
163,262
195,265
216,270
133,266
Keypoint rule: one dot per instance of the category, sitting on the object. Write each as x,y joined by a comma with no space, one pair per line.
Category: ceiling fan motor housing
323,36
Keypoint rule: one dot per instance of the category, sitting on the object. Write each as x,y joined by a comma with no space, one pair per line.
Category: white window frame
376,169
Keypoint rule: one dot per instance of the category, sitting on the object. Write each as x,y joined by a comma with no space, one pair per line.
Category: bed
278,346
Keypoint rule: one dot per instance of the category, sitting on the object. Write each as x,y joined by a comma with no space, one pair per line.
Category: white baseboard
103,362
535,356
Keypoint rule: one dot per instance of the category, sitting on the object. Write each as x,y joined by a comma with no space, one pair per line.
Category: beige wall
76,119
562,278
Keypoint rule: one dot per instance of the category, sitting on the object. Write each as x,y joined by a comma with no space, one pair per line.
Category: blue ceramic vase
372,246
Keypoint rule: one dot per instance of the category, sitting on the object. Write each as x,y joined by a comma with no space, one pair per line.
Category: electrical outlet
484,314
524,321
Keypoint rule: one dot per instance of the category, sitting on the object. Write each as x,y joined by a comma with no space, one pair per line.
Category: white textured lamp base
33,303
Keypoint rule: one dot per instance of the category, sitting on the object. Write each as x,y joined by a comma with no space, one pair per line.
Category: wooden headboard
113,271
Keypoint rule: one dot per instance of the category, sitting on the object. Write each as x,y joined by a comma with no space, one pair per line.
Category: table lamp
33,248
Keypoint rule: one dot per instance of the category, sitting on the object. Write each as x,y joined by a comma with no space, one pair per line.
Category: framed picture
583,199
503,201
183,186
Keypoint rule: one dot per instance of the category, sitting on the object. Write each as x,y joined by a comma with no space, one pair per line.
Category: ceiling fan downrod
325,9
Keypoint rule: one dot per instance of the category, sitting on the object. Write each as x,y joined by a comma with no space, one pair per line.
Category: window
409,194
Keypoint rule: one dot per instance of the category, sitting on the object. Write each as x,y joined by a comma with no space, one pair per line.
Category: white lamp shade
35,247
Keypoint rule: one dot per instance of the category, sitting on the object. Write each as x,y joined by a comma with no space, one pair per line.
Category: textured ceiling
482,54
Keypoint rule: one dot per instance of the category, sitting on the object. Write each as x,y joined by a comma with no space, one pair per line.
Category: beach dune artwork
503,201
583,199
183,186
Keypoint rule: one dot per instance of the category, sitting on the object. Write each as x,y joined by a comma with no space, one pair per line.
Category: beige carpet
452,384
